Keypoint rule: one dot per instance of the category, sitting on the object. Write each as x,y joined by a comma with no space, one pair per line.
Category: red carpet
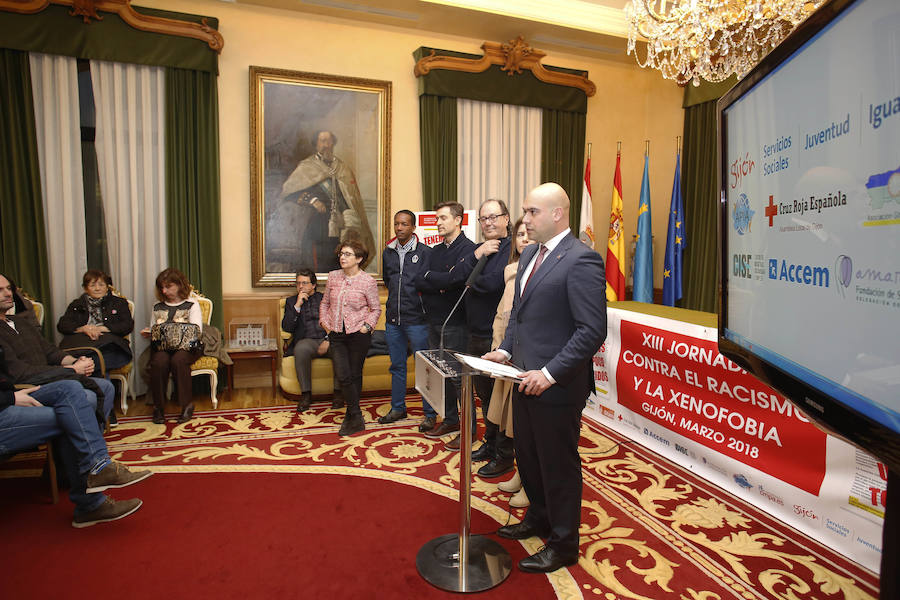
240,536
262,501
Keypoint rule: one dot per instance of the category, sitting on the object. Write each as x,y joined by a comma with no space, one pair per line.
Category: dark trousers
348,351
499,443
456,337
178,364
546,443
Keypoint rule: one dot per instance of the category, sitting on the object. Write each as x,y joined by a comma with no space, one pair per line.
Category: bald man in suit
557,324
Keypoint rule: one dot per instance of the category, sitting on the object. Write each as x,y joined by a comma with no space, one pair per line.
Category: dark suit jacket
560,321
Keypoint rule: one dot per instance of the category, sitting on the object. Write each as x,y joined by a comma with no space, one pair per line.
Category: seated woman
349,312
100,319
173,291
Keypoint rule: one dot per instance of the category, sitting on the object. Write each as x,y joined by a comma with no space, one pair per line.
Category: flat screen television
809,245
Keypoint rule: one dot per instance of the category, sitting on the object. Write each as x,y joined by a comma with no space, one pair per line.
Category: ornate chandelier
710,39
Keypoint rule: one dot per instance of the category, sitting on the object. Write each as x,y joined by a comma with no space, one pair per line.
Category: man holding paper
557,324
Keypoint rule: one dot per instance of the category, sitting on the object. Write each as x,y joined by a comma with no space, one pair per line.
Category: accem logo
796,273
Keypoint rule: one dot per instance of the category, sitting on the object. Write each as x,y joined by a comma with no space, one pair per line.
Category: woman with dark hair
173,291
500,407
100,319
349,311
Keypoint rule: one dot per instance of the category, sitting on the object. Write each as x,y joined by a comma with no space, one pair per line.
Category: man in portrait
319,206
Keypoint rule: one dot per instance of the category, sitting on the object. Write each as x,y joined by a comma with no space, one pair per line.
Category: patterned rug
650,529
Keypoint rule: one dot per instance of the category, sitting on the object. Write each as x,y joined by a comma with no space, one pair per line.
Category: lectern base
488,565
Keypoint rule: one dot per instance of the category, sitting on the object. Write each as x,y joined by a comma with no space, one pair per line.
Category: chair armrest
88,351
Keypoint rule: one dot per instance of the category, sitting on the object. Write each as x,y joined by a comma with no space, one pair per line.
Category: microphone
479,267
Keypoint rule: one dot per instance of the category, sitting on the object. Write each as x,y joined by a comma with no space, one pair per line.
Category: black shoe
546,560
427,424
305,402
497,467
520,531
337,399
187,413
352,425
113,419
159,417
485,452
393,416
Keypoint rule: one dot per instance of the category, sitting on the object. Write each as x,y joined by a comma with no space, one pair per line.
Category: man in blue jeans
61,410
30,359
404,325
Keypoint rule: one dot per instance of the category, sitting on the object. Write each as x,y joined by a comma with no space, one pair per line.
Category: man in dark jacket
32,359
404,325
441,283
308,339
481,307
32,416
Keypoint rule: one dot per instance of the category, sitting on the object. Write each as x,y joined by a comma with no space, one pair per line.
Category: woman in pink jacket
348,314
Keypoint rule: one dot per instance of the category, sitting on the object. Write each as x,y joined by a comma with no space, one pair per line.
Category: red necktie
537,263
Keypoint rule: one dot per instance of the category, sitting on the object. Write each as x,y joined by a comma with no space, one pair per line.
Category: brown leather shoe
427,424
453,444
441,430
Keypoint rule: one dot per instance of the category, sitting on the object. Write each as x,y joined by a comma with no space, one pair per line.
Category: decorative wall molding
512,56
88,9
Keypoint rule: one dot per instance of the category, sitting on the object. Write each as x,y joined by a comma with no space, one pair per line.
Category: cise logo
741,214
741,266
797,273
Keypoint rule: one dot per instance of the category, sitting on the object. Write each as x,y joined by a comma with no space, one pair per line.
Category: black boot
159,417
337,399
187,413
352,424
305,402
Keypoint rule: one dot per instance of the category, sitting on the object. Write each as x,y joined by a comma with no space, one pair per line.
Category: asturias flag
586,234
643,251
615,246
675,242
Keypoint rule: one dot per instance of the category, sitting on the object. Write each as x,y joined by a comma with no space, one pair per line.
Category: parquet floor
259,397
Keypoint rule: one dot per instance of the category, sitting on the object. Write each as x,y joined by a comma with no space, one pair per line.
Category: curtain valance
54,31
495,85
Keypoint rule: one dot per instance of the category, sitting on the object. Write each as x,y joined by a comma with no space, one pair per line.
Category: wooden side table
249,352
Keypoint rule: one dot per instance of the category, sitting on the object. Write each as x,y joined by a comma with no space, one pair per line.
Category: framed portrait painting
319,171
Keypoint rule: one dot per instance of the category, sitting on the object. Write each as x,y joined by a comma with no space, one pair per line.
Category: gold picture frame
320,163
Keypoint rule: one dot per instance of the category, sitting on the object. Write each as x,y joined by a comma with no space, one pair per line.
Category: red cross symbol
771,210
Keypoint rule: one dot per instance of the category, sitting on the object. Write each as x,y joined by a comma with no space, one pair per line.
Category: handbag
171,337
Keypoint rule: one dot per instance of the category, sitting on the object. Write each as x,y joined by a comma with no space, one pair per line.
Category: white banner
663,384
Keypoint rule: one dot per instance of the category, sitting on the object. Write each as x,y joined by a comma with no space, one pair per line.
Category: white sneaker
520,500
512,486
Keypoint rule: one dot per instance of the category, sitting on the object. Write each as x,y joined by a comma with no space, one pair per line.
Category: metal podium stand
457,562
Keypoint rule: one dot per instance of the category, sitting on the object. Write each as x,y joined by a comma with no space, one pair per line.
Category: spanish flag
615,247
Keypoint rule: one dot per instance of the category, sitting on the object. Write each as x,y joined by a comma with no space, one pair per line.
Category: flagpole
618,148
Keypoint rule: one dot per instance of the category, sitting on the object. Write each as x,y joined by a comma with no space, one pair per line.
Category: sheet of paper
495,369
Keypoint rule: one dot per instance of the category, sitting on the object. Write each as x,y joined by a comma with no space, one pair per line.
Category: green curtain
437,137
562,155
699,192
23,242
193,210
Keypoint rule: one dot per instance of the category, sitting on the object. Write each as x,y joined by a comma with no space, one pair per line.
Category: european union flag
675,242
643,251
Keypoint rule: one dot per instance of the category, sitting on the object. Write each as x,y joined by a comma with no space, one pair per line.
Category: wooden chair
124,374
43,452
206,365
